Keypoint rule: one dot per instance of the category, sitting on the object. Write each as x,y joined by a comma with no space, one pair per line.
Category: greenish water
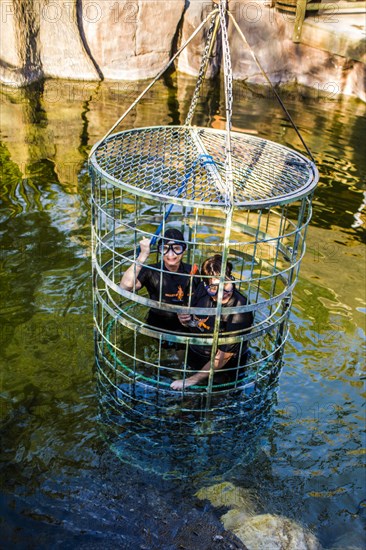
68,479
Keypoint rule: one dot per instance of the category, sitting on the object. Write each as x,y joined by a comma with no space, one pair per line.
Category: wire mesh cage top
186,165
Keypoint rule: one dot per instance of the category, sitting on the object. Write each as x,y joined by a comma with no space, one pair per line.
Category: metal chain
202,71
228,78
229,195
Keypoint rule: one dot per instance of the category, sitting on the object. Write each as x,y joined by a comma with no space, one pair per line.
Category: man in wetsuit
173,285
229,356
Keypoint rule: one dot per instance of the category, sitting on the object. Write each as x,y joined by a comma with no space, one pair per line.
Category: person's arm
221,358
129,280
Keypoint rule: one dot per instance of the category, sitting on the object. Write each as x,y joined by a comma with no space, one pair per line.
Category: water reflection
57,122
59,482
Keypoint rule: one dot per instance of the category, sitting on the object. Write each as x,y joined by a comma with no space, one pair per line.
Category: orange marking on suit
202,323
179,294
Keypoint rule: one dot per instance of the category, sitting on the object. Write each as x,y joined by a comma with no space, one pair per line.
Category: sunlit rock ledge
259,531
133,39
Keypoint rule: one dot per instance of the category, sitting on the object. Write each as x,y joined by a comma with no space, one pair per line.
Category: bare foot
179,384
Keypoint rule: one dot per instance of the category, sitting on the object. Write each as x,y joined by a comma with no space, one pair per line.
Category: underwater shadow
183,443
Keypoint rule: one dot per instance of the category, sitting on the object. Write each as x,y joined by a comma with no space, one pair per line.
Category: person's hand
144,248
184,318
178,384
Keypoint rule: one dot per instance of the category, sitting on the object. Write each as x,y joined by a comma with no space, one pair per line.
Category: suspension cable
271,85
161,72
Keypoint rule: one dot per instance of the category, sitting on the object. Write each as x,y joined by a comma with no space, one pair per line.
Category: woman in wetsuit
227,356
176,278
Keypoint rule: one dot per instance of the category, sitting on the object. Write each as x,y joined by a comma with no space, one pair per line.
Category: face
212,289
172,254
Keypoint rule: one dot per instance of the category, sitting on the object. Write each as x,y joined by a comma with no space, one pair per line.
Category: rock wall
133,39
269,35
86,40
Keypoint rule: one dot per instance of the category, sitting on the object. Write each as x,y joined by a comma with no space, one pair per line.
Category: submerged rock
269,532
257,531
226,494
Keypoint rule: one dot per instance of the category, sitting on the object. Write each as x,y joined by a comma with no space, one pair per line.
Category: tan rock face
132,40
62,51
269,34
20,42
109,39
44,41
9,53
190,59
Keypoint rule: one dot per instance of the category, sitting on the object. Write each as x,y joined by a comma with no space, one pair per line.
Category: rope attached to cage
203,160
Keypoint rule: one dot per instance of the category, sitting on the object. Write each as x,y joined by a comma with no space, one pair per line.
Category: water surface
68,480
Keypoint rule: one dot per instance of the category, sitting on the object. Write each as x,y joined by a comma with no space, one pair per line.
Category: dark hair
171,234
212,267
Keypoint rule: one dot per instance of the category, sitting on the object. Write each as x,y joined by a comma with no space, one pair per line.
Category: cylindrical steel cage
149,179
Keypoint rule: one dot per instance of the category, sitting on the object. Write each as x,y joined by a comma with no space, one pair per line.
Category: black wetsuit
175,290
199,355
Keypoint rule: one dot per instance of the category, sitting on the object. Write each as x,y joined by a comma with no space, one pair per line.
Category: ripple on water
301,457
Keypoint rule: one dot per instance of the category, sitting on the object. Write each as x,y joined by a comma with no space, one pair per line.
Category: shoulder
148,271
200,294
240,299
185,268
245,317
